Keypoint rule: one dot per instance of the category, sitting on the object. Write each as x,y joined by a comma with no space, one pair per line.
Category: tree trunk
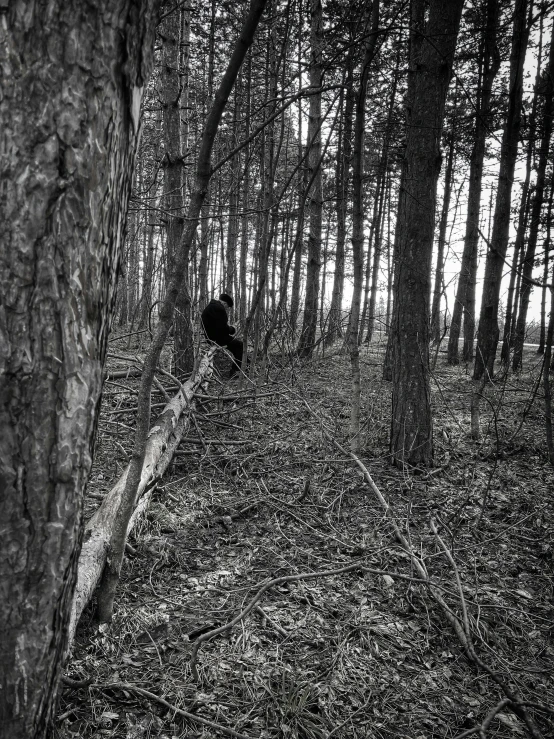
245,221
183,330
523,220
315,197
358,227
173,182
148,277
547,90
515,271
377,240
412,429
547,386
488,332
465,294
342,183
435,328
72,80
390,269
547,242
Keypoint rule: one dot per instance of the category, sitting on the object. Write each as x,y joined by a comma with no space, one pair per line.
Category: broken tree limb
176,283
163,439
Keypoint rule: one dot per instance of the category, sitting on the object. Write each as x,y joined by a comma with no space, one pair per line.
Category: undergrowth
256,492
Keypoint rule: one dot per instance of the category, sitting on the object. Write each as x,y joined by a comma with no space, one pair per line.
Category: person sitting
215,321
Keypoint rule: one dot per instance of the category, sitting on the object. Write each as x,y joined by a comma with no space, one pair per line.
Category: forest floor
257,491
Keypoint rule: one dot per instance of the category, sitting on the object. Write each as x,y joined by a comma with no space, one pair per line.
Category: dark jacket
216,324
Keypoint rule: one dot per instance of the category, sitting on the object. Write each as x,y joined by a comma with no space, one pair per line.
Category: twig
270,621
450,558
76,684
224,398
484,725
238,514
161,388
147,694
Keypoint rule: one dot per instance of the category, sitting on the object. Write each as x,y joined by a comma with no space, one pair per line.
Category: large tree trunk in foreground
163,439
412,429
72,78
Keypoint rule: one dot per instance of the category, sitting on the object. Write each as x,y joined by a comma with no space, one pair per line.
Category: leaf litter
351,655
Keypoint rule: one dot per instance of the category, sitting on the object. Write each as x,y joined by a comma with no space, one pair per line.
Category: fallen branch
163,440
270,621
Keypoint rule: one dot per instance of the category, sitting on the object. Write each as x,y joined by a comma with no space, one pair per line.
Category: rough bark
171,88
416,23
488,332
412,429
148,275
245,221
546,250
523,220
230,280
302,181
72,77
547,385
510,315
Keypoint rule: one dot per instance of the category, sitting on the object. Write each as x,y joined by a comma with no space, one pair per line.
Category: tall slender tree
342,179
110,577
464,304
547,110
174,200
488,331
358,221
434,44
315,197
441,242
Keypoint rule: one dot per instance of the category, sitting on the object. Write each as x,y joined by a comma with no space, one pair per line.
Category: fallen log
163,440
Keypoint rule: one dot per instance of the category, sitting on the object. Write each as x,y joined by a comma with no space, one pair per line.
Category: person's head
227,300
